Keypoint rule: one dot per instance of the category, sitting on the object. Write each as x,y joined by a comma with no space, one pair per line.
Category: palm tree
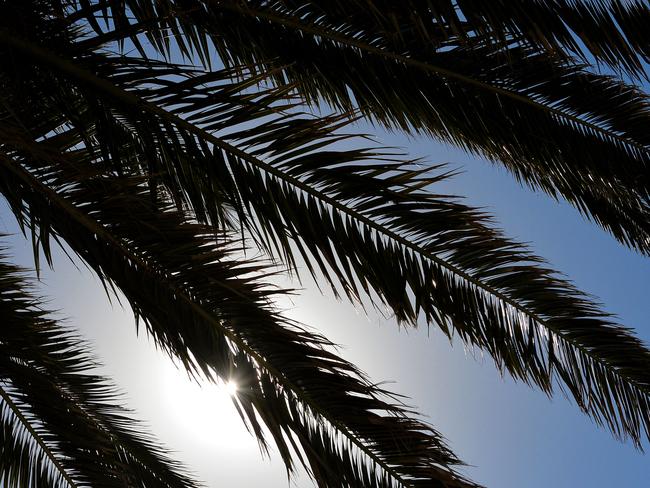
157,139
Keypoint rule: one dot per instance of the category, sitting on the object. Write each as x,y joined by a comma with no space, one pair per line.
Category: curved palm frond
347,214
201,307
61,424
608,31
514,103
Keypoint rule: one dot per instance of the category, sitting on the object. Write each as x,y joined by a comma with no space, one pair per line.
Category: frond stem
328,34
39,440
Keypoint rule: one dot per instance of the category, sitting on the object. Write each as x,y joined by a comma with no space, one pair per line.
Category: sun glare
205,411
230,387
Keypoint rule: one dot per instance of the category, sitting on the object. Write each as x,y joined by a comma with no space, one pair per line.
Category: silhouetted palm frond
23,461
157,173
201,307
61,423
608,31
553,123
347,212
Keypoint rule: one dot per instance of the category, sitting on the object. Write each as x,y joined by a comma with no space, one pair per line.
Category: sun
230,387
204,411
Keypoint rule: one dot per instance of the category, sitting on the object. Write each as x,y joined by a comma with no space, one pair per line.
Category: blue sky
509,434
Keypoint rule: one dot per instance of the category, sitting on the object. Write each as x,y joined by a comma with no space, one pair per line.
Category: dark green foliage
199,306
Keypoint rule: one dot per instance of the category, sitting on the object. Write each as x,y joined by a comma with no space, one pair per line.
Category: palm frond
344,218
348,214
607,31
514,103
62,424
139,167
25,459
201,307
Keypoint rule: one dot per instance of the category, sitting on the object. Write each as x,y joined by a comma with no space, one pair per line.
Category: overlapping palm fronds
201,307
490,83
153,171
609,32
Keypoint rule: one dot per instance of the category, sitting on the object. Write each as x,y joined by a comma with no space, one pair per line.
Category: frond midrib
426,66
37,438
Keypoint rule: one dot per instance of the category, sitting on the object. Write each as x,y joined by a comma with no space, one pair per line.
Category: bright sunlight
230,387
205,411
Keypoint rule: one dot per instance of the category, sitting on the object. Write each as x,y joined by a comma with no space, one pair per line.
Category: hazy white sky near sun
511,435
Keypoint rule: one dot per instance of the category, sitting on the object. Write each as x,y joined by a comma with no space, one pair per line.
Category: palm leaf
61,424
24,457
344,218
94,134
201,308
515,104
606,31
